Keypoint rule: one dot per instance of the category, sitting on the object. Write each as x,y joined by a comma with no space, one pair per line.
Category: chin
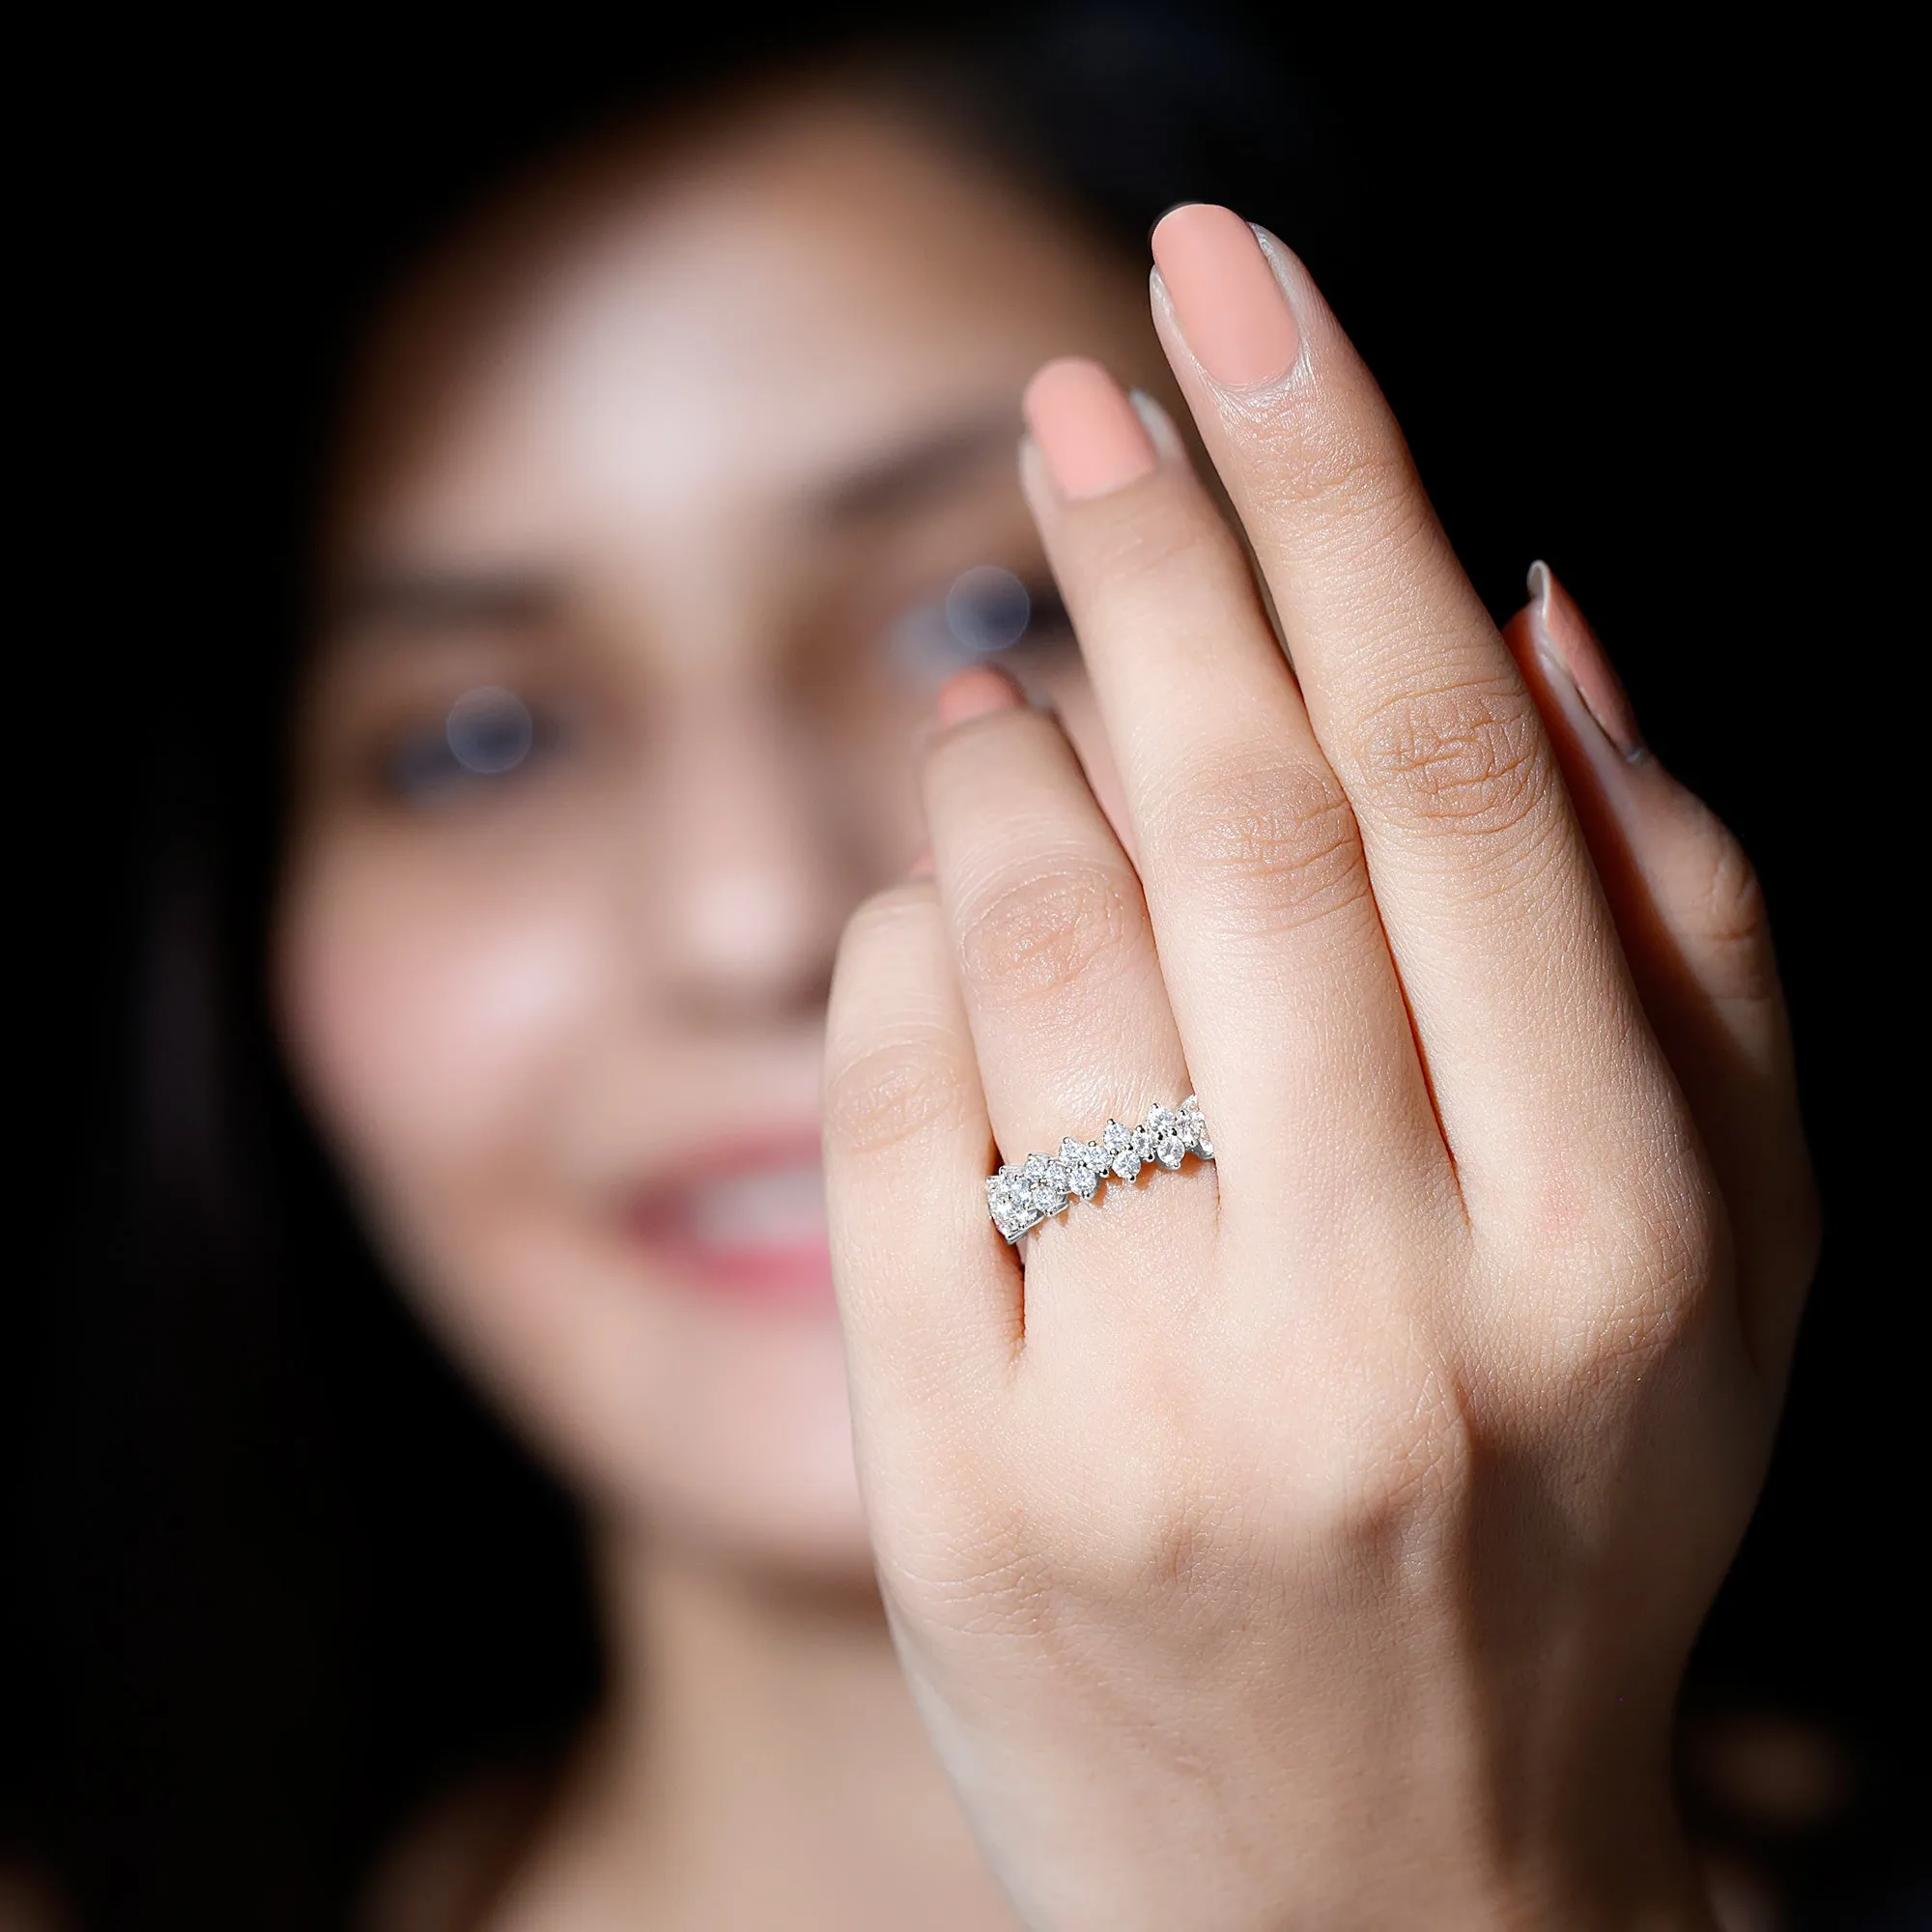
790,1523
673,1411
736,1441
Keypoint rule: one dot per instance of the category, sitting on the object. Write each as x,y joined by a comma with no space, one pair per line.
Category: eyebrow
447,600
909,476
894,483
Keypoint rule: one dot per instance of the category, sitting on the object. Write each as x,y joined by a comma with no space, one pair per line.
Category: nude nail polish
976,693
1091,436
1230,306
1564,635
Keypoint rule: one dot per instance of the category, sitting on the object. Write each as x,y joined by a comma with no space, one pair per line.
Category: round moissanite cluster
1025,1193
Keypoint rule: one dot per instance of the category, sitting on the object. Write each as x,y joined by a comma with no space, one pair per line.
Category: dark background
1635,298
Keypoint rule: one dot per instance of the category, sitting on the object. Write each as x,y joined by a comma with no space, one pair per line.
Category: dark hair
275,1571
280,1573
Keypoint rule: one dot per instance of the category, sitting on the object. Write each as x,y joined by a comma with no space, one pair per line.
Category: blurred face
663,511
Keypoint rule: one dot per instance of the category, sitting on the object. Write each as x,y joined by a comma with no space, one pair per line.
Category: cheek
426,1016
454,1030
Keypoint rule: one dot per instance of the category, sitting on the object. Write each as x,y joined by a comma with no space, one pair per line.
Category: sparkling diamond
1159,1137
1046,1183
1196,1128
1086,1162
1119,1146
1010,1200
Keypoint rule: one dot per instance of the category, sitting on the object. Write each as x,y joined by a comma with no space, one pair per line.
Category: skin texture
673,451
1316,1539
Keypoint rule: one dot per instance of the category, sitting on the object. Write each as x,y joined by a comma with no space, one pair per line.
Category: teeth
769,1207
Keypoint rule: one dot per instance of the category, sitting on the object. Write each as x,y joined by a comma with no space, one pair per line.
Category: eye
986,611
484,737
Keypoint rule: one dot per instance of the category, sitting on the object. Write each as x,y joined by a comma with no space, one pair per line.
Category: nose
749,878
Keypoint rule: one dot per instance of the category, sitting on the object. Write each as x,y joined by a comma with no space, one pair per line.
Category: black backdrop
1633,296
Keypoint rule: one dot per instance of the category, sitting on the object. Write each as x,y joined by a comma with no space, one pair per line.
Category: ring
1023,1194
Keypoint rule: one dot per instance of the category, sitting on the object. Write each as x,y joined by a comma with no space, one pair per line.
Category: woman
1317,1534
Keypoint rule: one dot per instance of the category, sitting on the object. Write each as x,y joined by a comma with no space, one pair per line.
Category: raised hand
1314,1537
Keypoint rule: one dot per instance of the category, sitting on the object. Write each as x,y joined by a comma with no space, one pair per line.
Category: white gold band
1023,1194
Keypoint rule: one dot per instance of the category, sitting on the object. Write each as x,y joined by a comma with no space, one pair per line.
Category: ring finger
1063,990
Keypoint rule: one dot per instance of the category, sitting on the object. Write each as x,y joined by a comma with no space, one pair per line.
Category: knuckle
1029,936
1470,758
894,1091
1654,1280
1341,476
1154,536
1627,1271
1387,1470
1273,846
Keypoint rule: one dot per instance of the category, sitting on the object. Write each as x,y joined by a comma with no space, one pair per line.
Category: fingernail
1090,434
1563,635
1225,295
976,693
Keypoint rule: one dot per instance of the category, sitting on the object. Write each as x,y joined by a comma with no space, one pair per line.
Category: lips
750,1225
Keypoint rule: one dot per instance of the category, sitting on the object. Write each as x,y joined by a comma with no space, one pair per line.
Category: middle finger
1506,950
